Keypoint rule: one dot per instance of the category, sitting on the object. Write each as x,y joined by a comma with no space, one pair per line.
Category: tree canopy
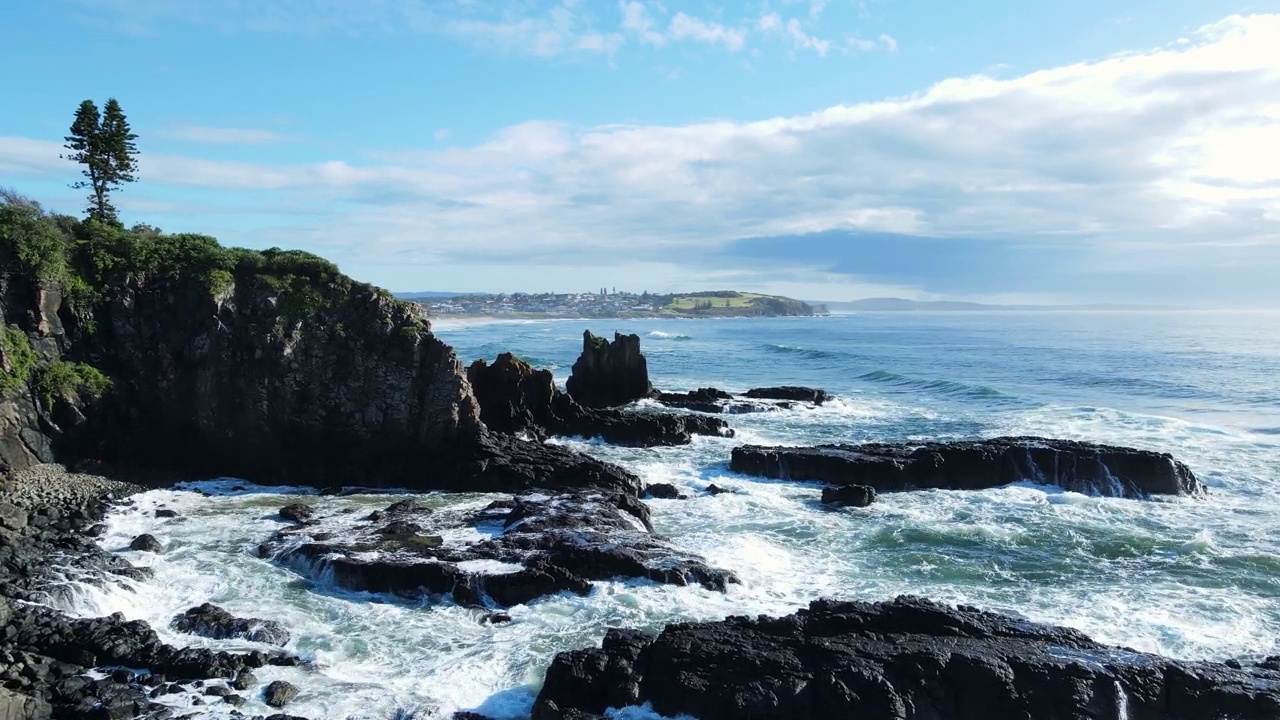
104,145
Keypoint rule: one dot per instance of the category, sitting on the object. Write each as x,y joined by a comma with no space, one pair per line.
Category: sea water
1189,578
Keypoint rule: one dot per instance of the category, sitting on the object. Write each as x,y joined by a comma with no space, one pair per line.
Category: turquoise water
1188,578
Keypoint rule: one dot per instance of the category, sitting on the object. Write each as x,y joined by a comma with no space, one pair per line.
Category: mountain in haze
904,305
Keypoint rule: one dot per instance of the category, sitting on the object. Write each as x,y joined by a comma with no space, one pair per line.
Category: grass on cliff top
725,299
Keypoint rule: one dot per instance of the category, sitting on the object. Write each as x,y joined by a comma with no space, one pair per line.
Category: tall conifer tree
105,146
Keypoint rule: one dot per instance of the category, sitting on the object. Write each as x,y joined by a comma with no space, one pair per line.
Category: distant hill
904,305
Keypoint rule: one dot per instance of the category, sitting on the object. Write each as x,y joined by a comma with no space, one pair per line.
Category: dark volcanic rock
297,512
789,392
976,465
608,374
516,398
855,495
547,545
710,400
279,693
146,543
909,659
665,491
212,621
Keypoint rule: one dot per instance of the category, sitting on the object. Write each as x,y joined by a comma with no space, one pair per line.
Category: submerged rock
976,465
908,659
546,545
608,374
297,512
665,491
212,621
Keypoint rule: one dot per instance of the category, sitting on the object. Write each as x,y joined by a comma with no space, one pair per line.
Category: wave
939,387
660,335
798,351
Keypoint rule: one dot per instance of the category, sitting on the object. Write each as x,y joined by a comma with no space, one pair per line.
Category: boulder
609,374
709,400
12,516
279,693
976,465
664,491
211,621
146,543
855,495
907,659
789,392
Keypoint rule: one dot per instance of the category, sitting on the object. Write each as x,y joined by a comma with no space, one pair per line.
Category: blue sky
992,150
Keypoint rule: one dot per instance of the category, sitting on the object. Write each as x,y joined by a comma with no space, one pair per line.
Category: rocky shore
178,357
907,659
56,666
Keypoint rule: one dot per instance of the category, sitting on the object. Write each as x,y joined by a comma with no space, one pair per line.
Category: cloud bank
1136,174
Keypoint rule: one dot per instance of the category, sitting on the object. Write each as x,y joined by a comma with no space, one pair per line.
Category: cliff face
173,353
354,389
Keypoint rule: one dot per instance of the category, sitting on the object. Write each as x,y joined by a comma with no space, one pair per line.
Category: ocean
1188,578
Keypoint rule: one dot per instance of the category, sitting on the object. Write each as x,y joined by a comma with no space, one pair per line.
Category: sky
990,150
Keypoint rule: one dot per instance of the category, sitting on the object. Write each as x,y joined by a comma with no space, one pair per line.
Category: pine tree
105,147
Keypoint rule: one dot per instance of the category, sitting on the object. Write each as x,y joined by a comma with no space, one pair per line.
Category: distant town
609,302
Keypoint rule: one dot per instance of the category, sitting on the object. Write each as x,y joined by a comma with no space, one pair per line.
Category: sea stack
609,374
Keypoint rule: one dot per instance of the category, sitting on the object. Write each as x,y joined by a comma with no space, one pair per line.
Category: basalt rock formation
609,374
714,400
976,465
541,546
516,398
909,659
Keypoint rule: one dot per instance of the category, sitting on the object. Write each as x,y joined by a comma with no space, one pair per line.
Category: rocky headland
153,358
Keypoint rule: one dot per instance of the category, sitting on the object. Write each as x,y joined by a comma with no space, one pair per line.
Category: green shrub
18,358
71,381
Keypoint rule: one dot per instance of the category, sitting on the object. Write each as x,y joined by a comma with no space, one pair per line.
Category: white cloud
636,19
861,44
686,27
1158,160
808,42
221,135
771,23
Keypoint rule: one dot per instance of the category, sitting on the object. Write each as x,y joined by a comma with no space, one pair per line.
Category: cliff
171,352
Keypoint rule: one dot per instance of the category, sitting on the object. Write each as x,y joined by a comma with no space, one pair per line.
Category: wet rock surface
211,621
789,392
714,400
516,398
976,465
852,495
46,657
529,547
909,659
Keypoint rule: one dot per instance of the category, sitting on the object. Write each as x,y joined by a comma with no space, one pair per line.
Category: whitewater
1188,578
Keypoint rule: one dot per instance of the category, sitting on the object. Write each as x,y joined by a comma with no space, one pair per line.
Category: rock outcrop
211,621
516,398
976,465
909,659
609,374
789,392
541,545
714,400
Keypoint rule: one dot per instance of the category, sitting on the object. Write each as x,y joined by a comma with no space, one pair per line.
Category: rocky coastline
275,368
